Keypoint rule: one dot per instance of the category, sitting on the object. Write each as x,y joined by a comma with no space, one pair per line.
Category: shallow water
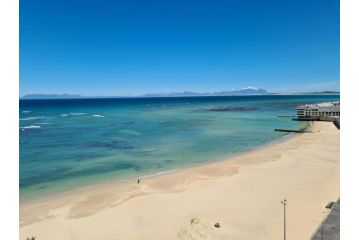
66,144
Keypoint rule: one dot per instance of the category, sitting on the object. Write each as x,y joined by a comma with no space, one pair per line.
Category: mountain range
248,91
243,91
51,96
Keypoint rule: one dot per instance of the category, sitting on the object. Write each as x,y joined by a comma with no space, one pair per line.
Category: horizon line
78,96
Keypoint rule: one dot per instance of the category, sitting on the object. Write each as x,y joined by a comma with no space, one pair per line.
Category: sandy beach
243,194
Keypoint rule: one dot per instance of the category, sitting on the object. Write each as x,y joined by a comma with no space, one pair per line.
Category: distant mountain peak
249,88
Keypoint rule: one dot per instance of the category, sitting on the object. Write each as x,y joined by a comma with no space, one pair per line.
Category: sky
133,47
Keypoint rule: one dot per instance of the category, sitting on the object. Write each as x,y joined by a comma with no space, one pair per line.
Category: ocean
72,143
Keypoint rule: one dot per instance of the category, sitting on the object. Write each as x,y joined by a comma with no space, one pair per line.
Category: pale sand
243,194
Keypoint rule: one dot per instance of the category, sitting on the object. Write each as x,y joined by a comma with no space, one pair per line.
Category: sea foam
32,118
29,127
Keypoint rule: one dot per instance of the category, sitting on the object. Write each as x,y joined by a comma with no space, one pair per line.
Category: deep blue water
70,143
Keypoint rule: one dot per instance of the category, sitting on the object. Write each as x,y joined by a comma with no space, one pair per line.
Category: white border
9,140
349,167
9,76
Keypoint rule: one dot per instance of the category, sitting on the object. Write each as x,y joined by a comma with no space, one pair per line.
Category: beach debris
30,238
217,225
194,221
329,205
199,229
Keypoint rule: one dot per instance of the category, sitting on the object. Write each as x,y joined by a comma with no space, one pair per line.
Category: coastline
134,178
202,189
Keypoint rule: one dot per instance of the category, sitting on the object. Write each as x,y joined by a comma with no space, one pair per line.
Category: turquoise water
66,144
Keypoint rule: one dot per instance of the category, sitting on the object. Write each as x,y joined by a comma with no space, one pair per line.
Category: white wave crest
98,115
29,127
64,115
77,114
26,112
31,118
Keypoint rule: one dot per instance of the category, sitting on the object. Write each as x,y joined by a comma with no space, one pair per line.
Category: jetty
290,130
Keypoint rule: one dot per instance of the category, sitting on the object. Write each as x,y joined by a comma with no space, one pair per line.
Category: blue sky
134,47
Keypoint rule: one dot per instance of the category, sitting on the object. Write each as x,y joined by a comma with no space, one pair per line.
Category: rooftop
326,106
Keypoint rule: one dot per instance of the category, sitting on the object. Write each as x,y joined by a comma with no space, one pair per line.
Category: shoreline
134,178
243,193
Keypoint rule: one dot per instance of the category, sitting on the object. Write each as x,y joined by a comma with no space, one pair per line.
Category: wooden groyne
290,130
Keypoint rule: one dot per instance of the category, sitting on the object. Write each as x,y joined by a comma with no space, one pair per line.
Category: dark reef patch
66,173
110,145
231,109
168,160
128,123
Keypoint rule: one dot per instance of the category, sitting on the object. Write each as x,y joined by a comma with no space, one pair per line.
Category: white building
322,111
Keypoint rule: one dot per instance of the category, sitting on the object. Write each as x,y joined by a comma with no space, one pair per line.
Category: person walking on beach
138,181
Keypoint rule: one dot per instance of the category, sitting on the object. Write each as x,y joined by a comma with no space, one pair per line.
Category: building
319,112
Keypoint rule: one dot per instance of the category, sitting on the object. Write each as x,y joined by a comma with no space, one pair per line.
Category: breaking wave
32,118
30,127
